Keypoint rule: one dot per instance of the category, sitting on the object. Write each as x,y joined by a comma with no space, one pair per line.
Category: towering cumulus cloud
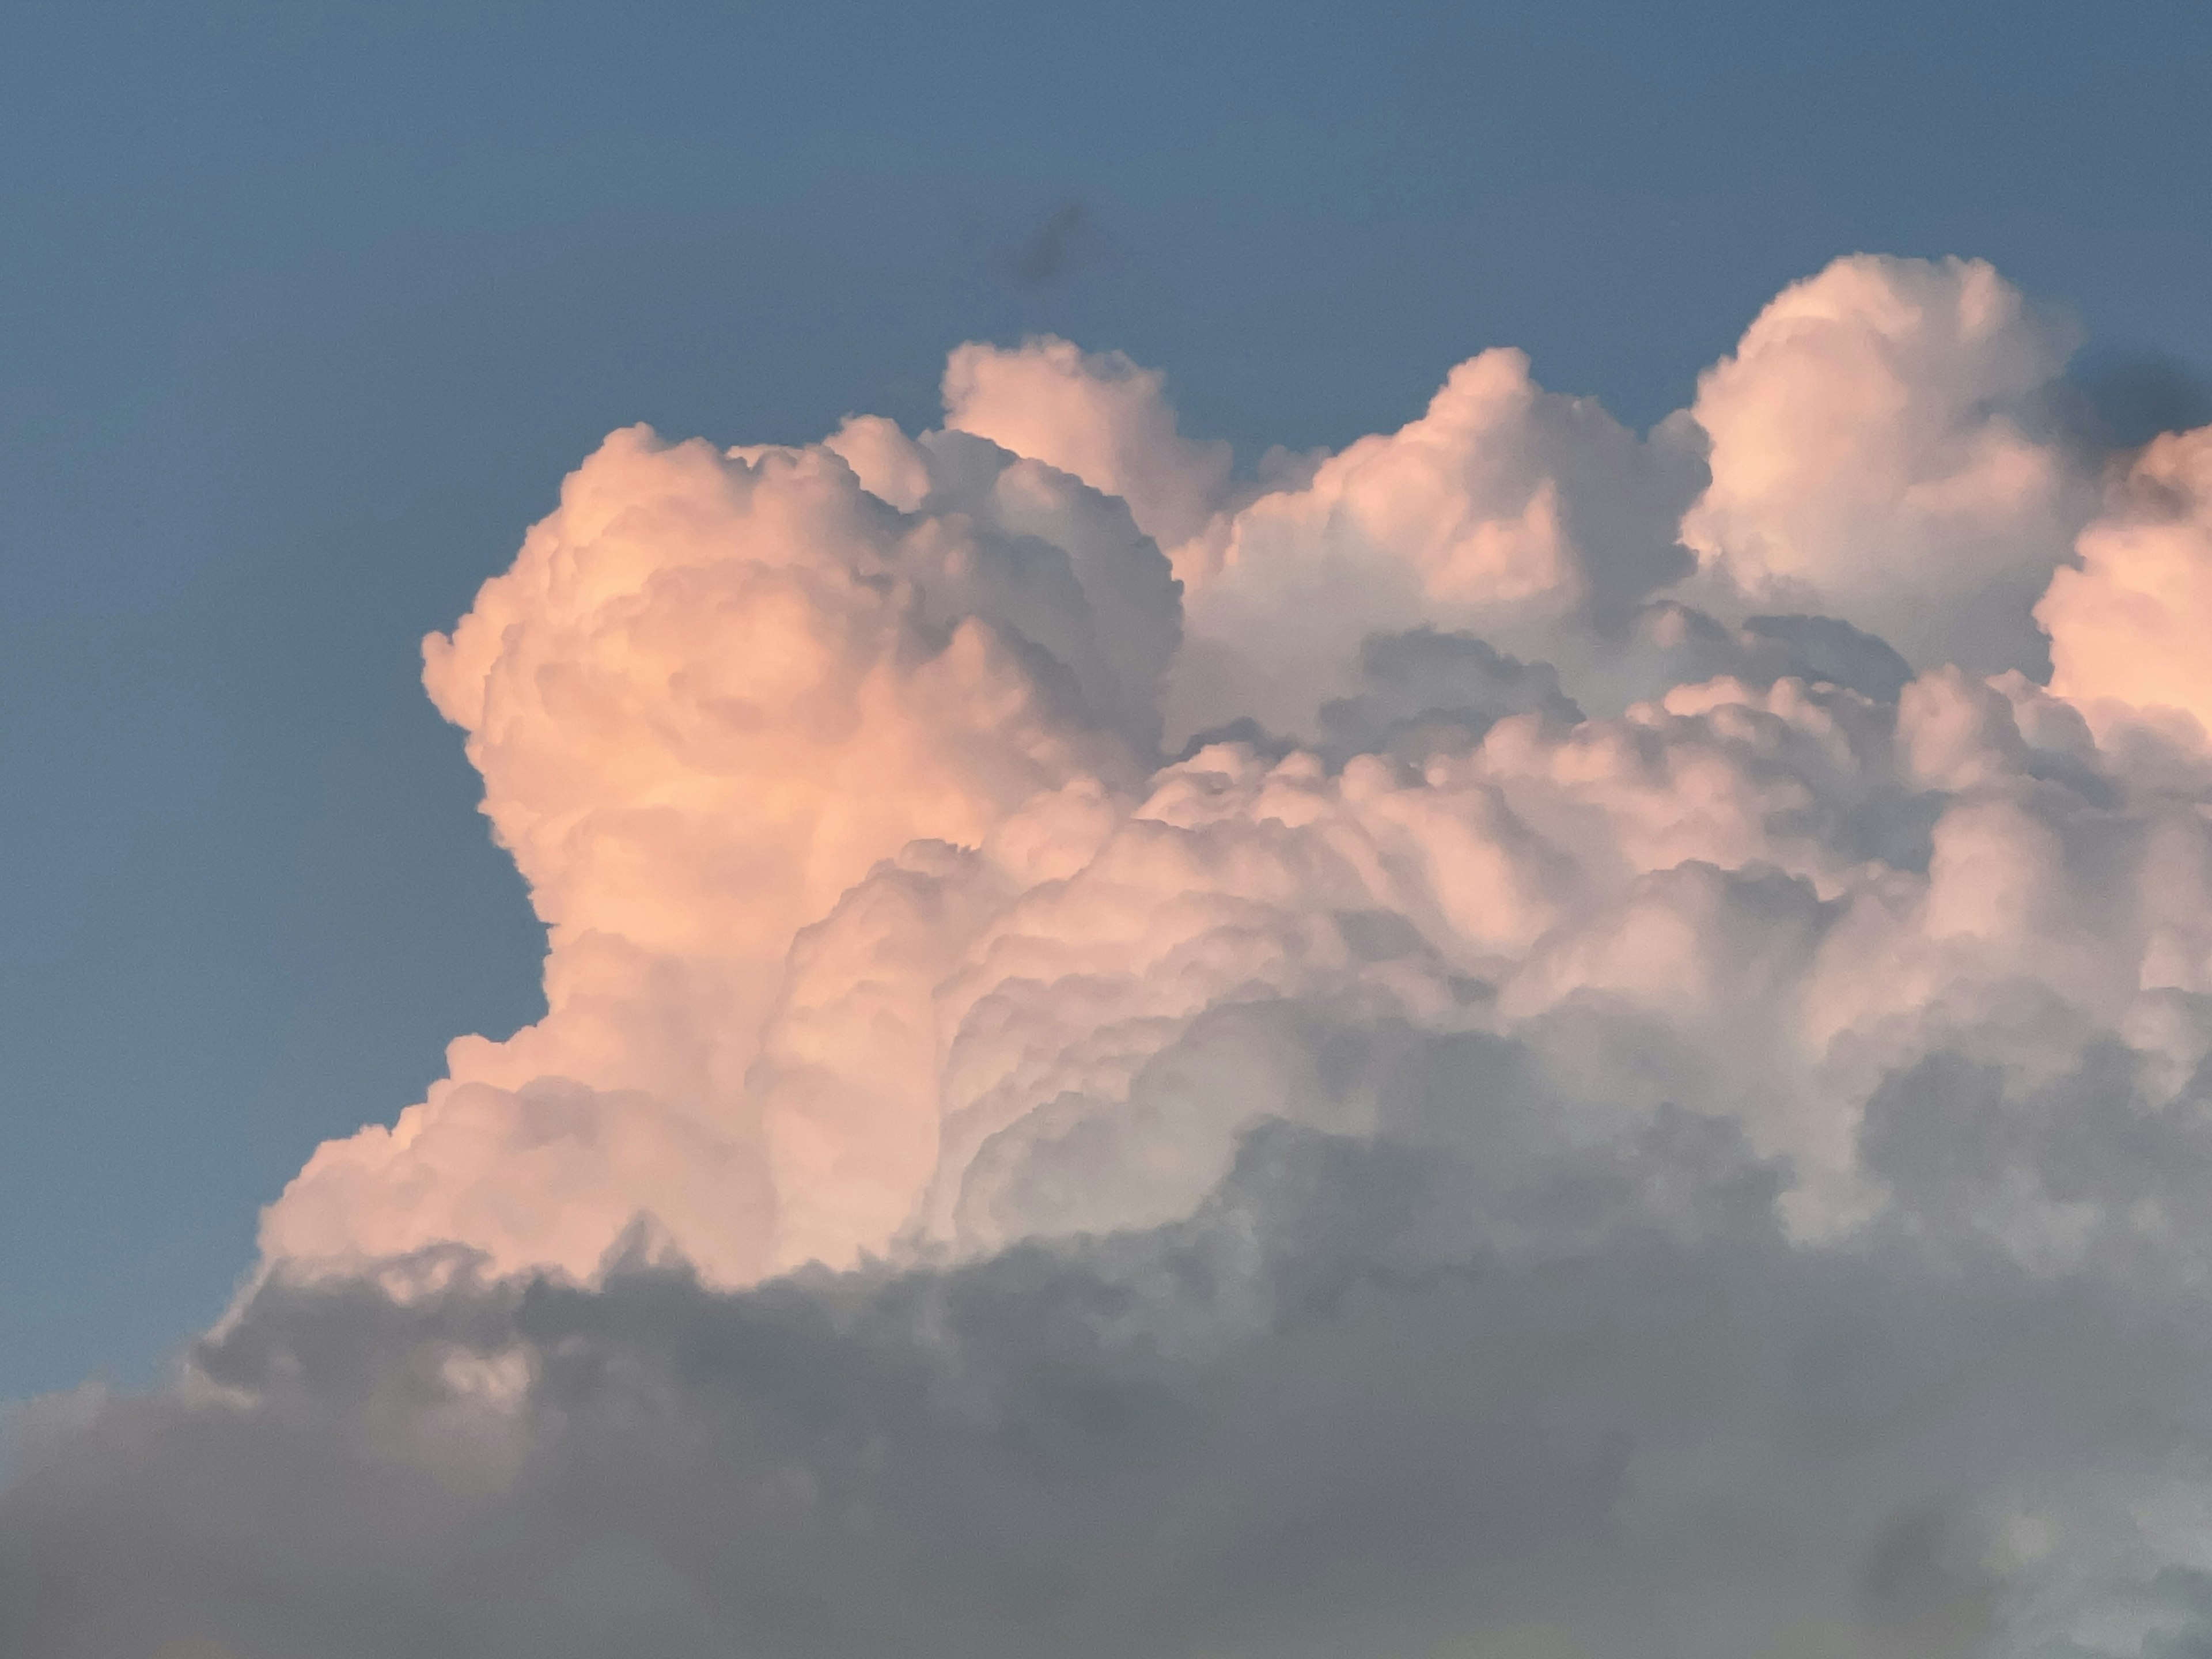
1523,1039
713,691
1877,452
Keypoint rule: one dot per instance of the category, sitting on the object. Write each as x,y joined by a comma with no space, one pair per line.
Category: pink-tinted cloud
832,771
1875,455
2131,623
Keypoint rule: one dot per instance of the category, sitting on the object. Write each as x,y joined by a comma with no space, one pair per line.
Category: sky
308,311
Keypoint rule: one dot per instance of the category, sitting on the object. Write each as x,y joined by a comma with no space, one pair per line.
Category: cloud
1528,517
1614,1098
2130,624
711,693
1098,418
1462,1385
1876,454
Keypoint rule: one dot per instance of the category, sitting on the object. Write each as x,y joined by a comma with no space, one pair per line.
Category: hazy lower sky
305,309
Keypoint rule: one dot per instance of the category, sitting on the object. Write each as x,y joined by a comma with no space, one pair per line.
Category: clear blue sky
305,309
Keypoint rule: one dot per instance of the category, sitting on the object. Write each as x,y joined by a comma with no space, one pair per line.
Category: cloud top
1880,452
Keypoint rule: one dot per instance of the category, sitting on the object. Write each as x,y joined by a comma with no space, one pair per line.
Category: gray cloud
1457,1385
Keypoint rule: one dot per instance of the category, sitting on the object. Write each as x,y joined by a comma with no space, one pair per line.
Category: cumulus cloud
1532,518
711,693
2131,623
1524,1038
1881,450
1098,418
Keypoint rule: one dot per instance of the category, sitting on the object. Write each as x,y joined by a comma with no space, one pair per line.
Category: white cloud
711,693
1101,419
1877,455
2130,625
1592,1121
1529,517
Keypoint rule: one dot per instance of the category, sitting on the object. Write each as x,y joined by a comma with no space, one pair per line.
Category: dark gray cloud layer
1458,1387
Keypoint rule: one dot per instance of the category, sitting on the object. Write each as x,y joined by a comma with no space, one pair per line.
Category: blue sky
305,310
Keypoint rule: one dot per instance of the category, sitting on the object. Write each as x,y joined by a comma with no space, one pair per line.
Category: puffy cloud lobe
1601,1109
1504,509
1528,517
1883,449
2129,624
713,691
1421,686
1100,418
1877,453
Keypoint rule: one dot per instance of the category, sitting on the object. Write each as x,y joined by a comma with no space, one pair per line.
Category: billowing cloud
1531,518
1880,453
1098,418
2130,625
1522,1039
711,693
